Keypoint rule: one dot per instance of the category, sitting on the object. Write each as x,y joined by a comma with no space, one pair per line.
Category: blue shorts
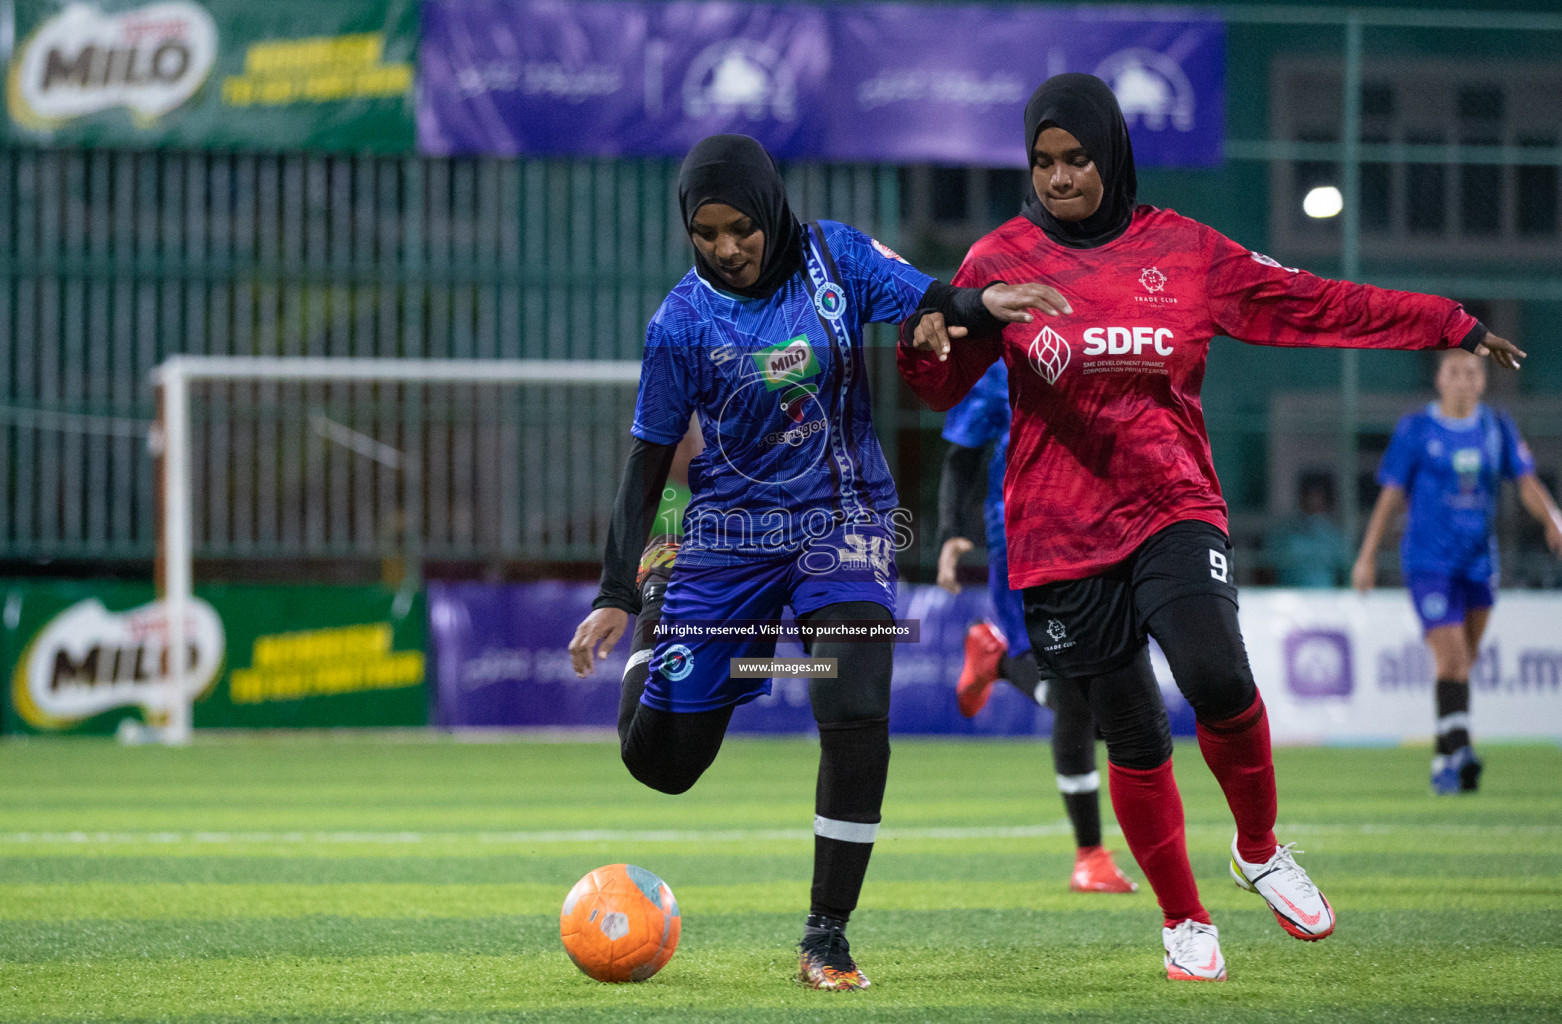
1008,608
1443,600
692,673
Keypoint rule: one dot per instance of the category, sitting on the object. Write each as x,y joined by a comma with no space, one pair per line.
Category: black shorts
1082,628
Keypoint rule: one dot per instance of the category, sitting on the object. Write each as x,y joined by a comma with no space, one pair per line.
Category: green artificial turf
387,878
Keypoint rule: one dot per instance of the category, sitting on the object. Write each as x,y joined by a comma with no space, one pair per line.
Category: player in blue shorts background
1447,463
1002,650
792,503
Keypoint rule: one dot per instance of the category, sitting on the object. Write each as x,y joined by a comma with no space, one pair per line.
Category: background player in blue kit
1448,462
1002,651
792,501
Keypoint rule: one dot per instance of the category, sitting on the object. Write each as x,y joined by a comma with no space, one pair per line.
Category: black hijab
1084,106
736,170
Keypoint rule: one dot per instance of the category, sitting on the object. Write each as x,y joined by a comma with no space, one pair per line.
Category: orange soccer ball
620,923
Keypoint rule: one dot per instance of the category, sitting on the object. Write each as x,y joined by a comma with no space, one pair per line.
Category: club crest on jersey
1049,354
830,301
886,251
1152,279
676,663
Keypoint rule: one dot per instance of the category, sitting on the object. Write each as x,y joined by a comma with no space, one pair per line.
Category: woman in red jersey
1116,527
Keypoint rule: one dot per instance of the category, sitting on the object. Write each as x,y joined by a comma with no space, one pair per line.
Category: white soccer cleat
1297,904
1193,952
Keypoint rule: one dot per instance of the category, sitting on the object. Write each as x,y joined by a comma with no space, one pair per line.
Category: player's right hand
949,557
1012,303
602,627
1364,574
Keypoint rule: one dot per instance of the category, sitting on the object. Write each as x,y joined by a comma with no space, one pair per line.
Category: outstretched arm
1537,502
1254,299
1364,574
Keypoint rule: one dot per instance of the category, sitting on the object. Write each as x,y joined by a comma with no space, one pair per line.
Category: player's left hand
1501,351
933,334
603,626
948,558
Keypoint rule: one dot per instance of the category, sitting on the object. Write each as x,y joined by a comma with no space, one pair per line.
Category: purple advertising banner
500,660
893,83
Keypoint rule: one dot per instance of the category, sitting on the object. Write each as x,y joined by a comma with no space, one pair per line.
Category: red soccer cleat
985,647
1094,871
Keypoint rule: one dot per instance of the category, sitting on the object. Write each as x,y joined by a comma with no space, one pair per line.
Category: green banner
331,75
81,657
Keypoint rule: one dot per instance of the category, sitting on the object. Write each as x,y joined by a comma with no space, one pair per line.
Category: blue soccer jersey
980,418
1451,471
782,395
983,416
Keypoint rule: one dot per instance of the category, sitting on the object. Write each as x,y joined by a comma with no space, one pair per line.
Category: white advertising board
1335,666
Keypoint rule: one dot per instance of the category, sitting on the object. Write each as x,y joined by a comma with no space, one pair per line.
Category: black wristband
1474,337
961,307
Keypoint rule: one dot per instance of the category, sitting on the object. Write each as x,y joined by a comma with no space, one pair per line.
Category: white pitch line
690,835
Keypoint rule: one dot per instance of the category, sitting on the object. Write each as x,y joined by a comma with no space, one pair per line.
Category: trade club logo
1152,279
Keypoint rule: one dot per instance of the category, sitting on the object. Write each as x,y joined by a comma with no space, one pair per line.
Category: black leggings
670,750
1073,728
1203,645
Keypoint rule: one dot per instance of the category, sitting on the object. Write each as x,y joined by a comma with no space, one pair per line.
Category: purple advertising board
891,83
500,661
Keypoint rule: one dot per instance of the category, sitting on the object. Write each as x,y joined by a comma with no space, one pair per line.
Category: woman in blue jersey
1447,462
792,502
1001,649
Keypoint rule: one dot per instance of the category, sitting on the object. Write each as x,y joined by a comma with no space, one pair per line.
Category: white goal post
172,440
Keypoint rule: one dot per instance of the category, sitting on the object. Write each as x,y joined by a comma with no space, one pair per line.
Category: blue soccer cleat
1459,772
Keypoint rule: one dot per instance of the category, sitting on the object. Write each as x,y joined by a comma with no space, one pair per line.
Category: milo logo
83,60
88,660
787,363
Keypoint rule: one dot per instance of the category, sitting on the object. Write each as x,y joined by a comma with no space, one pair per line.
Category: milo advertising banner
84,657
223,74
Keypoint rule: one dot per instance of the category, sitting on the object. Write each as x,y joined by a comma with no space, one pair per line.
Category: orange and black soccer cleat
825,959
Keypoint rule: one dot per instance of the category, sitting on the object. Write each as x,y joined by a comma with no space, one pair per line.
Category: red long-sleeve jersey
1108,443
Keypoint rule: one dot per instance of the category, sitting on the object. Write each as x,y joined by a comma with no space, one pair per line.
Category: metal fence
112,261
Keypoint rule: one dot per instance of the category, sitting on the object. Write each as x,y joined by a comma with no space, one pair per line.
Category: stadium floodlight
172,439
1323,202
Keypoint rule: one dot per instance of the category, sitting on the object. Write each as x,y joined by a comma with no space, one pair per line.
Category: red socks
1237,751
1149,809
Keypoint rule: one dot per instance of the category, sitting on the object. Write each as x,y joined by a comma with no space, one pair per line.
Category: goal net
294,463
